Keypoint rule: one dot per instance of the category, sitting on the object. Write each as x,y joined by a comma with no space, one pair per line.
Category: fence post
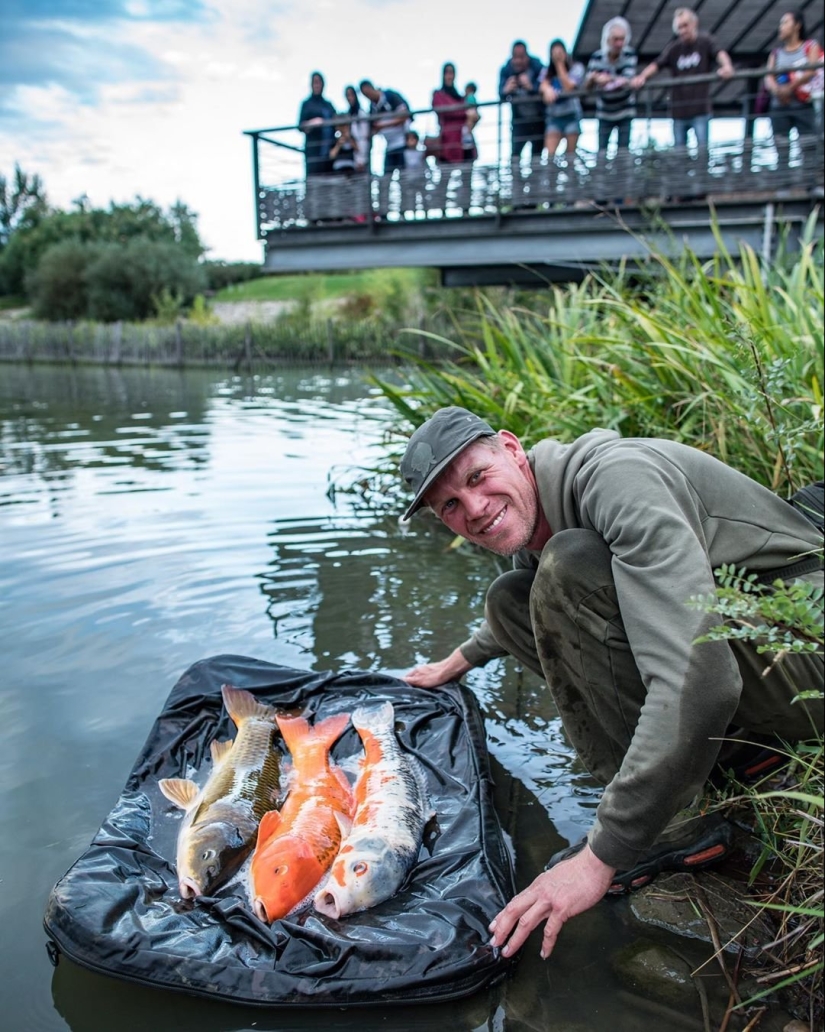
178,343
247,345
117,340
330,343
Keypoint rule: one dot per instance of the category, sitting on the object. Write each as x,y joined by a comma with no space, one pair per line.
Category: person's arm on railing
646,73
725,70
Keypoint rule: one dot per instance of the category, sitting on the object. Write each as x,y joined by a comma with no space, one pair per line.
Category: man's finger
554,925
529,920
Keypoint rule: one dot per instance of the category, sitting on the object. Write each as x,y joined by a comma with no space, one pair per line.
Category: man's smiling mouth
495,523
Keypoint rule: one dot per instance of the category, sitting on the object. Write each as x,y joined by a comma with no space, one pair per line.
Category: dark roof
745,28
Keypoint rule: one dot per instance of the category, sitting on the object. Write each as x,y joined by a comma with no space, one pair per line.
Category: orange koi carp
297,845
388,826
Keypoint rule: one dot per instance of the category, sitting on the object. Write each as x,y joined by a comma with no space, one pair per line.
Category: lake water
151,518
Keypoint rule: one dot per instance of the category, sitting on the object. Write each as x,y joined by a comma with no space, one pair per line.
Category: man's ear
513,445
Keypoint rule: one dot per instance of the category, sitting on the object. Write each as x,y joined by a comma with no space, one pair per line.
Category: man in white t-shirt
393,127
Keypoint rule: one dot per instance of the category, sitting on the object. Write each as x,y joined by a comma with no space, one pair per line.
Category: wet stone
655,970
681,903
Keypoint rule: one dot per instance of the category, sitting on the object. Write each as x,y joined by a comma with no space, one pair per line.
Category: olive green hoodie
671,515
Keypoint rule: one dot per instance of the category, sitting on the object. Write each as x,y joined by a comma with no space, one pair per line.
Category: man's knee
508,595
573,564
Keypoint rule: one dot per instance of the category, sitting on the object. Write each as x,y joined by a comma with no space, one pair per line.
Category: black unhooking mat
118,910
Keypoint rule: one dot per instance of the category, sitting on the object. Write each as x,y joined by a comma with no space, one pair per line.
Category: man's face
489,496
519,60
370,92
686,27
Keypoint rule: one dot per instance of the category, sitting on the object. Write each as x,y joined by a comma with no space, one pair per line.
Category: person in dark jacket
518,83
315,111
611,539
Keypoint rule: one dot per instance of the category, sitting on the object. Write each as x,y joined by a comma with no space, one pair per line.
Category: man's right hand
432,675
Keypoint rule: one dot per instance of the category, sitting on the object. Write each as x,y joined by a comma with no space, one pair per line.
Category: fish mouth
189,888
260,910
326,904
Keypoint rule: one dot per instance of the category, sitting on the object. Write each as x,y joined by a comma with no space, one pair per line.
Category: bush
125,281
58,288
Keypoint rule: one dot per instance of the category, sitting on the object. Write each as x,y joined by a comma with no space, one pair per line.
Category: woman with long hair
562,113
450,107
791,91
360,129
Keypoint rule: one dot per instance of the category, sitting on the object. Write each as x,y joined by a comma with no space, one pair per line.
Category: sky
112,99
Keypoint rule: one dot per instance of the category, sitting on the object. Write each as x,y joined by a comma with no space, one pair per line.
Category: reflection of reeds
724,355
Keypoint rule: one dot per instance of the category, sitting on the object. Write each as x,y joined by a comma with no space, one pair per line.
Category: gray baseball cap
435,444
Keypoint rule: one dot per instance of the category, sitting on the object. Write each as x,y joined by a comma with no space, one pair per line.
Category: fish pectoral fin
180,791
270,822
220,750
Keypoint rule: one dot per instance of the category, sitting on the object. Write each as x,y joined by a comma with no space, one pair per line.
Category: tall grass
725,356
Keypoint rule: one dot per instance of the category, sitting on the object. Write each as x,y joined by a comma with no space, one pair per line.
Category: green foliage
220,275
22,203
120,224
126,281
787,808
779,619
201,314
168,306
58,287
725,356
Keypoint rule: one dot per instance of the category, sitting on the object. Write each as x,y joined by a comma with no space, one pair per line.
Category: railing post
256,186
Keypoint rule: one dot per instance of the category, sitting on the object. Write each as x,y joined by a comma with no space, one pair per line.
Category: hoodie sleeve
652,519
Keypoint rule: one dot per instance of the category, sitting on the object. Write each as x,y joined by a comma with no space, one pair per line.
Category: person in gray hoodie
611,538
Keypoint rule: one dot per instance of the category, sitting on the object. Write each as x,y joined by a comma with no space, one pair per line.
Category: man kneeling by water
610,538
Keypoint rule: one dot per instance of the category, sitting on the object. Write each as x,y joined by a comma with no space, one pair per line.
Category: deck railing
742,158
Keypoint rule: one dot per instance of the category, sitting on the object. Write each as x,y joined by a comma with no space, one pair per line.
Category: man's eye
448,505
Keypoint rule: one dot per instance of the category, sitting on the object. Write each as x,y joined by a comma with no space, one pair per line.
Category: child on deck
467,139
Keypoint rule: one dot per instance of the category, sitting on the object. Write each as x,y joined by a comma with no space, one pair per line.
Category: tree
58,287
119,224
22,202
125,280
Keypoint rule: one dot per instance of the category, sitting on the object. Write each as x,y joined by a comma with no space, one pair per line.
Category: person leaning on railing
692,53
610,71
791,91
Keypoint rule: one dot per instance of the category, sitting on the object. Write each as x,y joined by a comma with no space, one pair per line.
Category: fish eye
360,867
207,854
281,869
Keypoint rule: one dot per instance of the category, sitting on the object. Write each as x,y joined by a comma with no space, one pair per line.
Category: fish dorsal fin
270,822
242,705
179,791
220,750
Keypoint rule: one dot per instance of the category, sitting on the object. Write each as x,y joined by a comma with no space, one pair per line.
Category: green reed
724,355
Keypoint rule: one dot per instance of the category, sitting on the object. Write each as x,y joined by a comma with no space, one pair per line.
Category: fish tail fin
242,705
299,735
374,718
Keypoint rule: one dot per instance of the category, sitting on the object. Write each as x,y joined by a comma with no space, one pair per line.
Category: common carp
296,846
222,818
390,815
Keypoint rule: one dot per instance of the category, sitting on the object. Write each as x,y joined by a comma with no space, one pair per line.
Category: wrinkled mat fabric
118,909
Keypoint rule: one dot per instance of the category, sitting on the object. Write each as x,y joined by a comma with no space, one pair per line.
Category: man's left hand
569,888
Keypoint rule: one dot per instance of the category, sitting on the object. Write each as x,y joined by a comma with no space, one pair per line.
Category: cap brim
436,472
